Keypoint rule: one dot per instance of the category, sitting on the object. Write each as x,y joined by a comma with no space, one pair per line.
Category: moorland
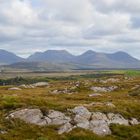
104,92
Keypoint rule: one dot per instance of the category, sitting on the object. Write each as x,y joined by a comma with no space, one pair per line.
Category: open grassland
126,99
50,74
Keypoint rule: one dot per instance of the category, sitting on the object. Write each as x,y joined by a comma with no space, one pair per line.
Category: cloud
27,26
129,6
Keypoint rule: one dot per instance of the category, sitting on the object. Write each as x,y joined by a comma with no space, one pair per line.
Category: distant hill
63,60
40,66
8,57
52,56
104,60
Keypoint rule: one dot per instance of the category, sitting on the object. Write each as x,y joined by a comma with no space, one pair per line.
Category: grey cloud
76,25
135,21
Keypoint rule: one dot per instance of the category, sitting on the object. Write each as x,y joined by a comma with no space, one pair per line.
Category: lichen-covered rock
82,111
99,116
82,116
85,124
117,119
58,118
33,116
100,127
97,122
48,120
65,128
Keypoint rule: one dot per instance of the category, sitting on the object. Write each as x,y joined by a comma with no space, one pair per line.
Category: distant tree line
19,81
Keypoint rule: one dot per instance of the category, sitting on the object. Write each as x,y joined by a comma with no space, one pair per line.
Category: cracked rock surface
81,117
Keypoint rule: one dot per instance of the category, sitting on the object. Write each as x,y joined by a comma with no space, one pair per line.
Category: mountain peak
52,56
8,57
89,52
121,53
57,51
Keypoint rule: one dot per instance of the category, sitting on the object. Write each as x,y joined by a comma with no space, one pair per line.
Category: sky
28,26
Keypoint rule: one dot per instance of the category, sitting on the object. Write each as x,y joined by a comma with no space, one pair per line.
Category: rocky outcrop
30,86
110,80
64,91
104,89
27,86
107,104
81,117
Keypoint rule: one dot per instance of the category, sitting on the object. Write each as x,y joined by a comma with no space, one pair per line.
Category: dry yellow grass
43,98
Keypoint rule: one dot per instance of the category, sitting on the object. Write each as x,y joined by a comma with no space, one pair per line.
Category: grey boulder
100,127
33,116
58,118
117,119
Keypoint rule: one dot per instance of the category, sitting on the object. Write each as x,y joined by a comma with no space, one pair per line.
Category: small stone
3,132
95,95
109,104
14,88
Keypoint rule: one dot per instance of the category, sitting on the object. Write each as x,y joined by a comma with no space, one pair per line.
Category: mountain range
63,60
